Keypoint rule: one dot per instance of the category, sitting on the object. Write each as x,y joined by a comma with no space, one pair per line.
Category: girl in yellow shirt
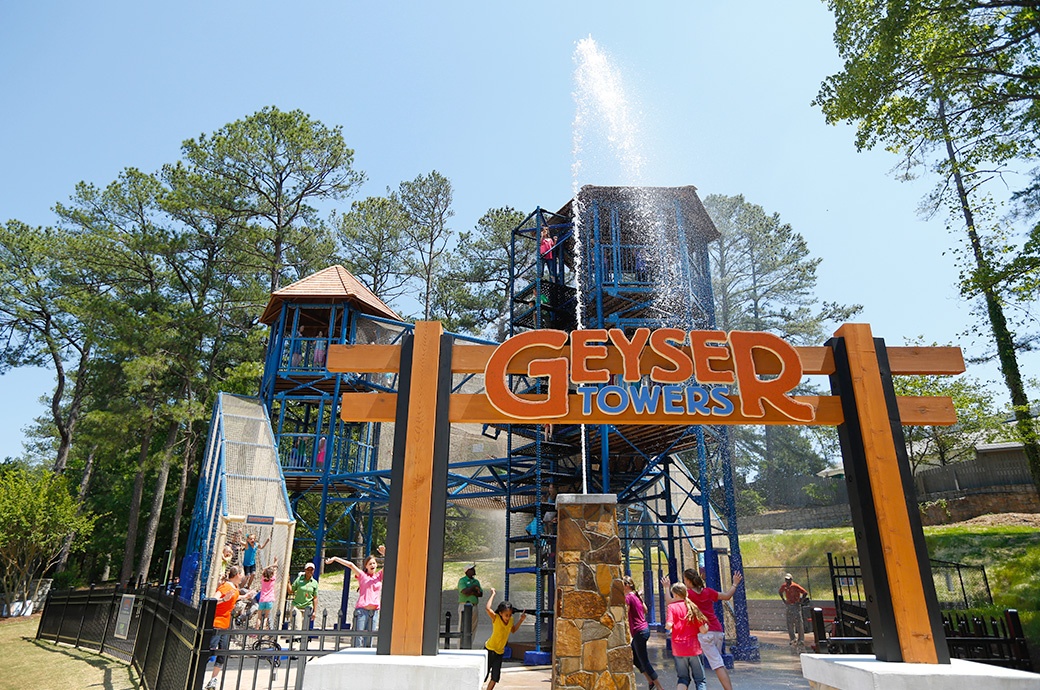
501,627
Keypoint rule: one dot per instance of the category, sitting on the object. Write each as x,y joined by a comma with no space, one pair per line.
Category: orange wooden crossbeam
472,359
468,408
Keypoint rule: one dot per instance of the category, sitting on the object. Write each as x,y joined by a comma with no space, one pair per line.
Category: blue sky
481,92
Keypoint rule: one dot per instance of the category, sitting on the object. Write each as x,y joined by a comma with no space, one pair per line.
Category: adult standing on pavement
792,594
305,593
226,596
470,593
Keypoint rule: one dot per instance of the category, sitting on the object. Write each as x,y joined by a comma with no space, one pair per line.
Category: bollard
466,627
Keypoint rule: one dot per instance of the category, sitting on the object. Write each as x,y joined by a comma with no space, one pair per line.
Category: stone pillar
591,646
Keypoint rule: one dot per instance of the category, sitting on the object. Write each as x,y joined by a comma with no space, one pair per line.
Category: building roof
330,285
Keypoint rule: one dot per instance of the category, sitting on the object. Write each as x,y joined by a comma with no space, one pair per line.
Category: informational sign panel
259,519
522,554
126,612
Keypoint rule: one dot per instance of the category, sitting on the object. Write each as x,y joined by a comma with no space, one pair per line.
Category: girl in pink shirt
685,621
370,589
267,584
640,630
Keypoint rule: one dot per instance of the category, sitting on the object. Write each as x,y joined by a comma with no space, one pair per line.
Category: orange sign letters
667,369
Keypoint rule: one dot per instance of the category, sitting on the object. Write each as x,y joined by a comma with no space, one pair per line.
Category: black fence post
196,675
1014,624
61,619
167,638
43,616
108,618
819,632
83,616
466,627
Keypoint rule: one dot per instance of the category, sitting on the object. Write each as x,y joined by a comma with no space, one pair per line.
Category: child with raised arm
267,583
370,590
501,627
685,621
249,552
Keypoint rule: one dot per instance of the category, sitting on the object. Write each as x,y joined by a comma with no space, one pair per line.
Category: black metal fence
169,642
990,640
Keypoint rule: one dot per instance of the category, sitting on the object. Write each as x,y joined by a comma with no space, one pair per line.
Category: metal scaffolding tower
626,258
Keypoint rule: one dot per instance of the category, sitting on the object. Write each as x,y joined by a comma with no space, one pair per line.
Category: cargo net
246,490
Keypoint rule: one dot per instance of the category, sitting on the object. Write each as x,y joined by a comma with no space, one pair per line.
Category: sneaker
211,685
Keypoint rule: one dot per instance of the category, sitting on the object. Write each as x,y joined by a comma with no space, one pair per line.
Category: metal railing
169,642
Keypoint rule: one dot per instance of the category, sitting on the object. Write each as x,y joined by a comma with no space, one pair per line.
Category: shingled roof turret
329,285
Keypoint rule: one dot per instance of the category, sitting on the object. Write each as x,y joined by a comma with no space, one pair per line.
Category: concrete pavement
779,668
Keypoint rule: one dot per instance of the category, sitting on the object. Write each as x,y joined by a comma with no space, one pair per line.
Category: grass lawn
1010,554
49,666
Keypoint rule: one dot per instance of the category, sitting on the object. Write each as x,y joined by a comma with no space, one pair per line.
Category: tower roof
330,285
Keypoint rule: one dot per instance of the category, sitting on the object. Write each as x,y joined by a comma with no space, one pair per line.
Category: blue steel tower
331,468
620,257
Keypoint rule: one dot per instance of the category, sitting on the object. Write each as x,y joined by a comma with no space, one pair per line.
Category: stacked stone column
591,646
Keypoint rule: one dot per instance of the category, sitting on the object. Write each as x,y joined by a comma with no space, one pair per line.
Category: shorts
494,665
711,647
218,642
268,605
248,569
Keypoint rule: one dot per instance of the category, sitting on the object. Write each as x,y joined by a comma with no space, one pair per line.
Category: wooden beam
472,359
474,409
413,540
902,570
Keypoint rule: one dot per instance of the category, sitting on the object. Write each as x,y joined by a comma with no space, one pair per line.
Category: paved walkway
780,667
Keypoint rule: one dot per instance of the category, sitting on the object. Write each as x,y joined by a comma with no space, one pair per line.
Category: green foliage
940,504
951,87
426,201
272,166
372,234
977,421
469,536
38,513
476,287
764,279
1010,554
749,502
823,493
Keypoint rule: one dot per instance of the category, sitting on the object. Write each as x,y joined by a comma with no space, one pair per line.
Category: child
249,551
370,590
501,628
267,582
637,625
226,556
685,621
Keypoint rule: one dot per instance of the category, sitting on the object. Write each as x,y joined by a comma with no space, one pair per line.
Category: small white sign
522,554
126,611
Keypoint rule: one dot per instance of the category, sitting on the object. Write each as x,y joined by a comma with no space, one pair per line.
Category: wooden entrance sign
672,377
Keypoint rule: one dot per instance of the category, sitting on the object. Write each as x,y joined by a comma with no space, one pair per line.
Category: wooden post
904,613
415,528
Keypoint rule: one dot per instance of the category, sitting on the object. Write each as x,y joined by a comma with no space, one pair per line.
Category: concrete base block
864,672
451,669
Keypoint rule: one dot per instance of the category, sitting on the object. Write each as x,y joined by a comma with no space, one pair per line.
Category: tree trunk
144,565
189,453
134,514
1024,425
84,484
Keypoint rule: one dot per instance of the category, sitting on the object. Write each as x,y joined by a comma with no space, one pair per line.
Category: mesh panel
246,478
